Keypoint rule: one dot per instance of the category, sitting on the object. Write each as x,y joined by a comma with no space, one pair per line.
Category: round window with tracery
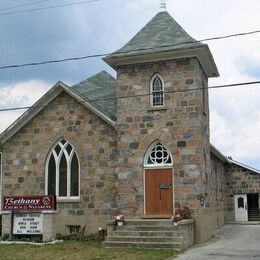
159,155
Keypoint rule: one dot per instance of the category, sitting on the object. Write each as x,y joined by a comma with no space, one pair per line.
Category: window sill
157,108
68,200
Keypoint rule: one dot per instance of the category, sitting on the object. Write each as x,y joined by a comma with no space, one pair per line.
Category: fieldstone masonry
182,126
49,226
216,192
239,181
95,144
6,223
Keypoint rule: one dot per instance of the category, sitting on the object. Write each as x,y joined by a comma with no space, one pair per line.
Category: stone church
137,144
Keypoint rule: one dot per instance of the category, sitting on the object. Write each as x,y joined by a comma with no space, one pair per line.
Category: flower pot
177,218
120,223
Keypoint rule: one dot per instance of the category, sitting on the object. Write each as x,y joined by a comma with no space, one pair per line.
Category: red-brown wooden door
158,192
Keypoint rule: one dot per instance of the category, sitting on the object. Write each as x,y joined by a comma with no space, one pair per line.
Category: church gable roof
242,165
47,98
163,35
229,160
100,91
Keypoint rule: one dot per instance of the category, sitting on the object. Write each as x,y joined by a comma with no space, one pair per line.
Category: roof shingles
100,91
162,33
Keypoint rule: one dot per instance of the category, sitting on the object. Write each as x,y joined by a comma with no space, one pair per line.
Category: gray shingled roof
100,86
162,33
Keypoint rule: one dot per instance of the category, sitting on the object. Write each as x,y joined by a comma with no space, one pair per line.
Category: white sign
27,224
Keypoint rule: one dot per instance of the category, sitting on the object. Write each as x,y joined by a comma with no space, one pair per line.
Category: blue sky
105,26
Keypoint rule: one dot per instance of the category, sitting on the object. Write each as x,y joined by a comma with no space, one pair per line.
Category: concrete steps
147,233
143,228
152,233
253,214
145,239
112,244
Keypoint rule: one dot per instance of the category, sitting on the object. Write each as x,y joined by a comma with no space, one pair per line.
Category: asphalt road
231,242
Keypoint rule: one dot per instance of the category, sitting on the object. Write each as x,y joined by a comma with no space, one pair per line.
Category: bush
6,236
93,237
36,239
58,236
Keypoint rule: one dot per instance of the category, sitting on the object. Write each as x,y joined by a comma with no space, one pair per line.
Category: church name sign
27,223
29,203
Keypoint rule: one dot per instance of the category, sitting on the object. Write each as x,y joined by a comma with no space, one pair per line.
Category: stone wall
216,186
181,126
94,141
214,199
240,181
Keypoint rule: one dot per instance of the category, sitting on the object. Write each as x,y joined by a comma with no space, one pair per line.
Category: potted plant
181,213
119,220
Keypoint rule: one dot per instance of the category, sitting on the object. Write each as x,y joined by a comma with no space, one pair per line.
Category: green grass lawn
80,250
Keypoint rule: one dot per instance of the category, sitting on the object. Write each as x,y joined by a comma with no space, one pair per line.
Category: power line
124,52
140,95
229,36
27,4
49,7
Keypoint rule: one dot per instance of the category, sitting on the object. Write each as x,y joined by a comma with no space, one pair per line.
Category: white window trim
156,165
151,91
57,159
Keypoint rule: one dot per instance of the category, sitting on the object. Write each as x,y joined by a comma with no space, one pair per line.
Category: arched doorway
158,181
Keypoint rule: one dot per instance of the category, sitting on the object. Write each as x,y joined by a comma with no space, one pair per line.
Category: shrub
6,236
58,236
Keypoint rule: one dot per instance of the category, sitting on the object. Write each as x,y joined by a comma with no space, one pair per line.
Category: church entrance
253,207
158,192
247,207
158,181
241,207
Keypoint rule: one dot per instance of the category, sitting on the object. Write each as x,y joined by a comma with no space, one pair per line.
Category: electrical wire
140,95
49,7
22,5
124,52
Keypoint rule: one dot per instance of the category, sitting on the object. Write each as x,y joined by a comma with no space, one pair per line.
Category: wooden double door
158,192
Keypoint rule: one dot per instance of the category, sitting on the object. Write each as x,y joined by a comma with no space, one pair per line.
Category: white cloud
19,95
234,112
235,123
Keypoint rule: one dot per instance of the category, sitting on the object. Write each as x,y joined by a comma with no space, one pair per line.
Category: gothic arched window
157,91
62,171
158,155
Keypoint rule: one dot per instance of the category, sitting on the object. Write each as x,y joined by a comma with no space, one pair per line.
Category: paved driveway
231,242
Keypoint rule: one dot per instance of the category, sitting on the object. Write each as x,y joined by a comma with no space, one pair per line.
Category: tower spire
163,5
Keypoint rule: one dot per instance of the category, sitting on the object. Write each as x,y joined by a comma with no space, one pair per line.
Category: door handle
165,186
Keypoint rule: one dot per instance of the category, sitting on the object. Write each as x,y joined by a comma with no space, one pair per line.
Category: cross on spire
163,5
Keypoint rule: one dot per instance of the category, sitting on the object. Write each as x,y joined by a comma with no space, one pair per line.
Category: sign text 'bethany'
20,203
